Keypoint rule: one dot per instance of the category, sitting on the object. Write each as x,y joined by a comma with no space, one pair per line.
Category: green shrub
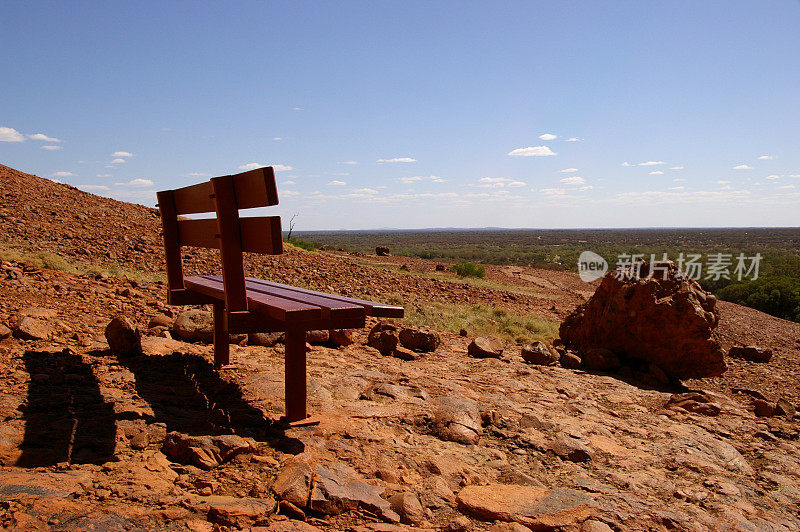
469,269
778,296
302,244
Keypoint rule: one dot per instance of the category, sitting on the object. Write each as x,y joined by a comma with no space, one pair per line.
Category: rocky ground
94,440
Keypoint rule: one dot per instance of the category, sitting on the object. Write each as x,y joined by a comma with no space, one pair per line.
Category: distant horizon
534,229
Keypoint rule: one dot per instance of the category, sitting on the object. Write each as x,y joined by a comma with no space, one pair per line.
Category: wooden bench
243,304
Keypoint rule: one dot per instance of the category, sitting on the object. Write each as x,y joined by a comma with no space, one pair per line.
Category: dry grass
479,320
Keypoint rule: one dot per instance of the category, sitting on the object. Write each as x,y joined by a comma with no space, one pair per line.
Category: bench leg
295,378
221,336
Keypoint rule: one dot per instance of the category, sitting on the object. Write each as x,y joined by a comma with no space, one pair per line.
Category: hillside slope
82,443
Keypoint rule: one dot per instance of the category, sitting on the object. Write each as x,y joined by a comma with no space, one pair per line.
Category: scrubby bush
302,244
469,269
778,296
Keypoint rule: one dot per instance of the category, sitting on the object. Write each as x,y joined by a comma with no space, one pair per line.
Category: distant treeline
776,291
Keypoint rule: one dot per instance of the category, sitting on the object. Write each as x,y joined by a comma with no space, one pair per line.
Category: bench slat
331,307
380,310
255,188
275,307
260,234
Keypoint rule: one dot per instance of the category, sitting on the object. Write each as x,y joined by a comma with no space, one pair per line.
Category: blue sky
419,114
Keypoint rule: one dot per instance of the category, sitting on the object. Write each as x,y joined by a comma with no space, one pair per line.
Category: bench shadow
188,395
66,417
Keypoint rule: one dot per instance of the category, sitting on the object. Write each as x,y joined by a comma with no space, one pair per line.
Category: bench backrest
228,232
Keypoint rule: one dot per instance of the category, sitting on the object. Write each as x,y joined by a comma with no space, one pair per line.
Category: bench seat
292,307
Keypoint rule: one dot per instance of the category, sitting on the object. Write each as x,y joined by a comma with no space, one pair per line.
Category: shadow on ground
189,396
66,416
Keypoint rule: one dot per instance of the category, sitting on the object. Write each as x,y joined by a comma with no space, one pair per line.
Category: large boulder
195,325
383,337
419,339
665,319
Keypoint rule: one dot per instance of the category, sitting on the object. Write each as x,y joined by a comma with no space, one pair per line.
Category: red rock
751,352
763,408
341,337
30,328
570,360
485,347
239,512
419,338
538,353
383,337
669,322
123,337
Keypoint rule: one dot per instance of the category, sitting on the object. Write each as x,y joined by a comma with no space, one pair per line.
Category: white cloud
281,167
574,180
54,180
365,191
553,191
289,182
586,188
723,182
656,172
122,154
136,183
568,171
651,163
679,180
276,167
349,162
197,174
398,160
116,161
677,188
765,157
532,151
676,168
337,183
785,187
345,174
409,180
626,163
794,175
298,109
62,174
277,139
103,175
251,166
515,184
42,136
89,188
742,167
548,136
9,134
573,139
51,147
772,177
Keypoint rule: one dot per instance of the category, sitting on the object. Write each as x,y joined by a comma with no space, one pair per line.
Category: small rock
123,337
763,408
697,402
5,332
405,354
419,338
140,441
317,337
538,353
383,337
408,507
206,452
382,251
485,347
593,525
160,320
440,268
265,339
751,352
570,360
571,449
463,333
239,512
195,325
31,328
785,408
341,337
457,419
